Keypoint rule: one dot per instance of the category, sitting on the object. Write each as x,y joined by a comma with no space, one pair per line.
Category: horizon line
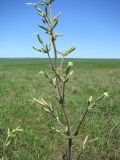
58,58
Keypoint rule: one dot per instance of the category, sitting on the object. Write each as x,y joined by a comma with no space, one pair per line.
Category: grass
20,82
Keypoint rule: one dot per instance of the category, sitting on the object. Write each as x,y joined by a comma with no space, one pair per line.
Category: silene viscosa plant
59,79
11,135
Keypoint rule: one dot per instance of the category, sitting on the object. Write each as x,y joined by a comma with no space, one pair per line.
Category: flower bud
106,94
41,72
84,142
70,64
89,101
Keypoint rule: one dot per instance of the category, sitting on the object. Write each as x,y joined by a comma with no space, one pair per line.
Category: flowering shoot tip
106,94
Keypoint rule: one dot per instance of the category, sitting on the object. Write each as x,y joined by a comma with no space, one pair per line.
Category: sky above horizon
93,26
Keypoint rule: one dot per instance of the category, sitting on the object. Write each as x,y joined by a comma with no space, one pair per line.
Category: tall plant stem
55,50
69,133
68,125
56,66
62,100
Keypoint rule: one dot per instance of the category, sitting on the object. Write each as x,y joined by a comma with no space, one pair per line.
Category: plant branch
90,106
80,122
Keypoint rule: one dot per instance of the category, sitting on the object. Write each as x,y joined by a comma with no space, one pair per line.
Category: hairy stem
62,97
56,66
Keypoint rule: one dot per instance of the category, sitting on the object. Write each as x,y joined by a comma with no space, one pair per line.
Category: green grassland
20,82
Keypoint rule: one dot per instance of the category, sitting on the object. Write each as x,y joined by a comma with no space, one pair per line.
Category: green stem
69,133
80,123
61,94
56,66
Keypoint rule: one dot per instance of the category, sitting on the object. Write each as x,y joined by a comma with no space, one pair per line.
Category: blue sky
93,26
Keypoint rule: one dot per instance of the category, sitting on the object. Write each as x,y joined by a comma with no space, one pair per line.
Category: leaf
7,144
40,102
44,28
47,110
56,17
39,38
46,11
8,132
46,19
47,3
44,50
43,21
48,77
53,26
43,103
44,2
20,130
57,34
51,108
47,48
34,47
67,52
56,22
41,14
38,9
58,131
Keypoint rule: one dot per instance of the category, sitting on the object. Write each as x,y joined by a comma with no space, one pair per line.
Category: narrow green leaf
8,132
56,17
56,22
7,144
43,21
34,47
47,3
44,2
41,14
47,48
44,28
46,11
39,38
38,9
44,50
46,19
57,34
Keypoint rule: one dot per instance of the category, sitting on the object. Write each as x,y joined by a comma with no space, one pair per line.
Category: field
20,82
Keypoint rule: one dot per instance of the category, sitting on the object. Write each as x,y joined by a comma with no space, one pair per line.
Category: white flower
106,94
70,64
